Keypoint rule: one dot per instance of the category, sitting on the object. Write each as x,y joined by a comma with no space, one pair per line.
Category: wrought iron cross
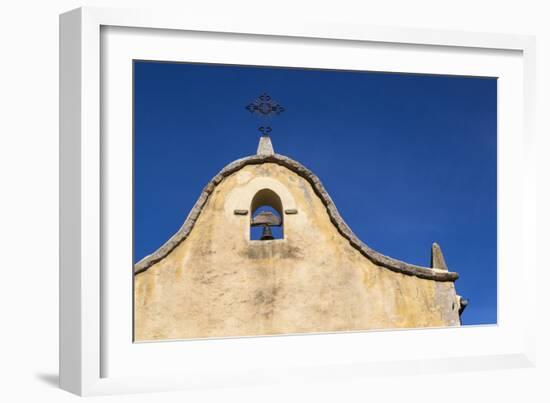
265,107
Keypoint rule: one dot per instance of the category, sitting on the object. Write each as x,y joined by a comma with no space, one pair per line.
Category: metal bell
266,234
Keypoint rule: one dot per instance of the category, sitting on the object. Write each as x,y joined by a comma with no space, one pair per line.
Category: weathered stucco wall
218,283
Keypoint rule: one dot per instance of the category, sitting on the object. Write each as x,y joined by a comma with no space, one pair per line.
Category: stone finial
264,146
438,261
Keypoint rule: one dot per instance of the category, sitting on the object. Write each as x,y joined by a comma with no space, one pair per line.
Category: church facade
213,278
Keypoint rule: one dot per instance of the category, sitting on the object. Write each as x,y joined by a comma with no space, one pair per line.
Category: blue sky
408,159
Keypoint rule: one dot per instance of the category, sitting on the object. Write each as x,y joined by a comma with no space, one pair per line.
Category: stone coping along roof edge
377,258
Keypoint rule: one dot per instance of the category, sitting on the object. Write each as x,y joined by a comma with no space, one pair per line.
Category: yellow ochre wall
218,283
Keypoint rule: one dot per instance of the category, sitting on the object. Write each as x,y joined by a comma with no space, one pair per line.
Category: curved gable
344,230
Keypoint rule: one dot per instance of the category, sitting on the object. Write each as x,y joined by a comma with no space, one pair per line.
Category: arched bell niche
266,218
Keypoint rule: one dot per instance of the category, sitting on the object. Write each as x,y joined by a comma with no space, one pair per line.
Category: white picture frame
88,338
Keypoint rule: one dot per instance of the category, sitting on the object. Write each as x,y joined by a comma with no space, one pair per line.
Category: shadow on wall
49,379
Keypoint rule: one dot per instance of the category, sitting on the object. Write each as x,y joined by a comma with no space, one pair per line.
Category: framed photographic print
240,202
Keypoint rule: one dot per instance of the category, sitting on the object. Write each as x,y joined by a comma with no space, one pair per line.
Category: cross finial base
264,146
